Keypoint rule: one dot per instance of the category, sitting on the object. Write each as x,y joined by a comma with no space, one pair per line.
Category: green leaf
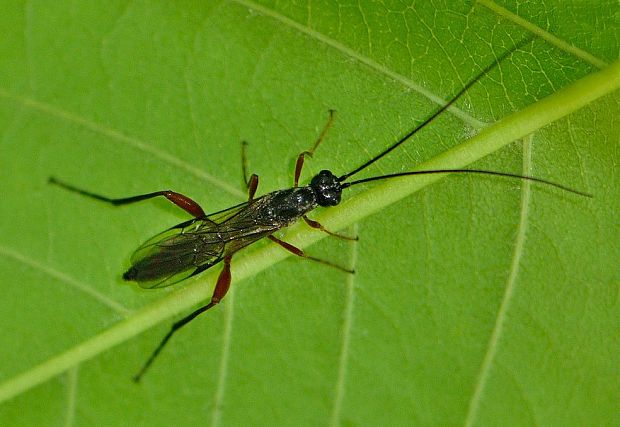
475,300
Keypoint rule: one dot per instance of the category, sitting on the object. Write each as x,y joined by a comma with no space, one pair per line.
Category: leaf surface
475,300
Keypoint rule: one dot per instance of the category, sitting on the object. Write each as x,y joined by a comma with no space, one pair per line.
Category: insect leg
252,183
315,224
300,159
182,201
296,251
252,186
221,288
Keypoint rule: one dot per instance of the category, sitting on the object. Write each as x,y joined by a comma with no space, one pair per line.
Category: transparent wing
176,254
193,246
233,212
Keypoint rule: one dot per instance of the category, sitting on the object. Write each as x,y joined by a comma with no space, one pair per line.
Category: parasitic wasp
193,246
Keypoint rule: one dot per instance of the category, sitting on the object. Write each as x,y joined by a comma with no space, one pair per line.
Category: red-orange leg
300,253
221,288
300,159
182,201
317,225
252,182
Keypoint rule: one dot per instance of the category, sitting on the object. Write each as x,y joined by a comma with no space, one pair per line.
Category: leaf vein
382,69
346,333
223,369
545,35
119,136
82,287
72,375
493,344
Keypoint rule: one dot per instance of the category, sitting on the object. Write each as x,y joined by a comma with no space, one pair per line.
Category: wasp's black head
327,188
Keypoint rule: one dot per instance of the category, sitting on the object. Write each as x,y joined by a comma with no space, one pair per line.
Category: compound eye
331,198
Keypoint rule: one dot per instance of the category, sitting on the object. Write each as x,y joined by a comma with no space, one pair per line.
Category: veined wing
240,214
195,245
245,221
176,254
244,224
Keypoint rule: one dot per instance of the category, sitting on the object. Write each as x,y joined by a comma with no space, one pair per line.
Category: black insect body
193,246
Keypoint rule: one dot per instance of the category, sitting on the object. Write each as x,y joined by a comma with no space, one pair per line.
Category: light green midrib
491,139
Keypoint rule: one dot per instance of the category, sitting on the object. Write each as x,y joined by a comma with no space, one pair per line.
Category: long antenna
473,171
439,110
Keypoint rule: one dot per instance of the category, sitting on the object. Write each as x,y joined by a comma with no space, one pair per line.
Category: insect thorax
285,206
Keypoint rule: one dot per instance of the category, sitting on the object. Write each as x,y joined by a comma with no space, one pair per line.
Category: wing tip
130,274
